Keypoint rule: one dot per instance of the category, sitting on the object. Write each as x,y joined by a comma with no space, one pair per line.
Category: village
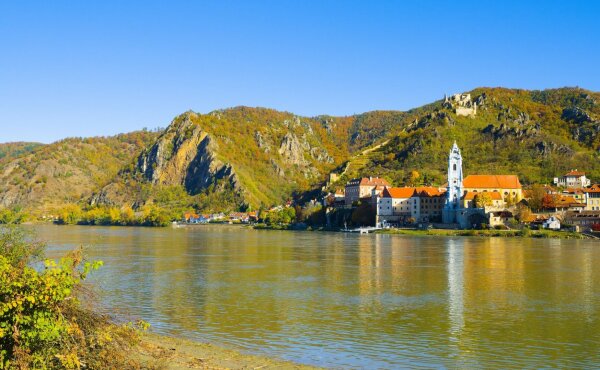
474,201
478,201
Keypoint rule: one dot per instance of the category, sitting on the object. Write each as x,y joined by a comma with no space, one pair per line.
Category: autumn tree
523,212
483,200
550,200
536,196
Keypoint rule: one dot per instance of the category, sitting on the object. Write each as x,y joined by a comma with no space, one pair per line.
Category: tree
550,200
414,178
536,195
127,216
483,200
523,212
70,214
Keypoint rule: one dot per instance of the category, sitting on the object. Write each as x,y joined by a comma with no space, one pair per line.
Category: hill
43,177
242,157
535,134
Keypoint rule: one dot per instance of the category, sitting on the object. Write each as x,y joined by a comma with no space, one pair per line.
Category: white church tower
454,192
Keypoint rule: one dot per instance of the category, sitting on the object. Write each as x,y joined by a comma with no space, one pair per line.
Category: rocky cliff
261,155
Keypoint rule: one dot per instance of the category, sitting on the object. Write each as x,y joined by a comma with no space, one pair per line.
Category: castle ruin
461,104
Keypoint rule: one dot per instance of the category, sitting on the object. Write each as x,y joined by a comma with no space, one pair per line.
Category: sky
89,68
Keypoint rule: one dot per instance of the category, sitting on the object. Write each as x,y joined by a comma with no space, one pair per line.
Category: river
355,301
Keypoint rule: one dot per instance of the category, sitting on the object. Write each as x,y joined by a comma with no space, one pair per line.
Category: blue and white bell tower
454,192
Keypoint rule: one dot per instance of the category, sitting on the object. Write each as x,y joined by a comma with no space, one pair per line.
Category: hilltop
534,134
244,157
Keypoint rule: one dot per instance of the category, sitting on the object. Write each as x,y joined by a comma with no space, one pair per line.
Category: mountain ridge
245,157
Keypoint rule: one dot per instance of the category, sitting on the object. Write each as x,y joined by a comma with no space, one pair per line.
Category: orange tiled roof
566,201
428,191
494,195
407,192
593,189
401,193
573,191
492,181
575,173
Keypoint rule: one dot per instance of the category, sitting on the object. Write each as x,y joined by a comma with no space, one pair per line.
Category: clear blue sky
83,68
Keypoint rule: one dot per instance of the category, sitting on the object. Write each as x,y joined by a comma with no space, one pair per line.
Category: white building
573,179
552,223
421,204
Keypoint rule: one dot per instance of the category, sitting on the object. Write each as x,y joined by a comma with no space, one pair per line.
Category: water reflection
356,301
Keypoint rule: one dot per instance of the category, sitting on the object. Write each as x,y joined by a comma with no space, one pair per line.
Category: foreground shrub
43,325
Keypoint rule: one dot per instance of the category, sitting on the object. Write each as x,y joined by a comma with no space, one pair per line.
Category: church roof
492,181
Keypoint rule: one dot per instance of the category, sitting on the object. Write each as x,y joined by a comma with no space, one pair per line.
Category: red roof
373,181
428,191
566,201
492,181
401,193
573,191
575,173
407,192
593,189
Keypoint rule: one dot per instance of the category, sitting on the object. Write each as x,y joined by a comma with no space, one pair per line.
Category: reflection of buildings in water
368,278
587,281
401,261
455,249
494,270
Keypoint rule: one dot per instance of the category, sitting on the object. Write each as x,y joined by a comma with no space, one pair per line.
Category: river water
355,301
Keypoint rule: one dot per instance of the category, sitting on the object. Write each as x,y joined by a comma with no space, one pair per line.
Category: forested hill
535,134
242,157
42,177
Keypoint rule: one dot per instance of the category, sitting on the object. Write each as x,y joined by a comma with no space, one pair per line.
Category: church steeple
454,191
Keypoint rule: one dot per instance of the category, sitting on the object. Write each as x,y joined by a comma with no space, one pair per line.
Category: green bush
42,324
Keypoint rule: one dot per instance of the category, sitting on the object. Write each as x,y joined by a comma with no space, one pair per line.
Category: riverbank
165,352
541,234
526,233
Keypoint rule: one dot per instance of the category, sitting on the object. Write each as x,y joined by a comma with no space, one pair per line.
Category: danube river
363,301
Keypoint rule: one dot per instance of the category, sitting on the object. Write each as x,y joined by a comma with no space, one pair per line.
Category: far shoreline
530,234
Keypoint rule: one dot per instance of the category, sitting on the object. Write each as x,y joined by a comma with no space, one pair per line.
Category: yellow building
508,186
